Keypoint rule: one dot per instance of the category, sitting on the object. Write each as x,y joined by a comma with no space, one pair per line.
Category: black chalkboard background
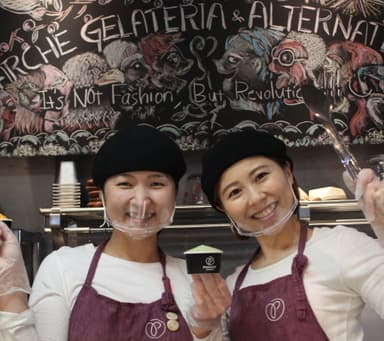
74,72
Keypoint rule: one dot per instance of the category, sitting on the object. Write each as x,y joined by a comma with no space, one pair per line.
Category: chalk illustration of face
166,60
247,56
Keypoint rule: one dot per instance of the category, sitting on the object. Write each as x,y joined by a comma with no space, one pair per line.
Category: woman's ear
218,205
288,170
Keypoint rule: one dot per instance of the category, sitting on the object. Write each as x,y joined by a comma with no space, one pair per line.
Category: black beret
138,148
234,147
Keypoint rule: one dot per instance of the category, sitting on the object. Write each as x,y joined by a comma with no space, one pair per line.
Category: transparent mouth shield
262,230
140,219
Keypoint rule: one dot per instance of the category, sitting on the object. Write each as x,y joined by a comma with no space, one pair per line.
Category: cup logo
210,260
275,310
155,329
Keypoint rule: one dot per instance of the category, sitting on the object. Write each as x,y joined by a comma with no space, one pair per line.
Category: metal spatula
321,106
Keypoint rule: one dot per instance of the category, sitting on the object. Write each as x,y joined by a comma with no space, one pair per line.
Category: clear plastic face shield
140,209
282,215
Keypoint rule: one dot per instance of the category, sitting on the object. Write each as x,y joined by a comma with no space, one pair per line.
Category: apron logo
275,309
155,329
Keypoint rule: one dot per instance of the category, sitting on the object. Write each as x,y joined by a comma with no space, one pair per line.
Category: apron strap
243,272
93,266
298,265
167,300
303,238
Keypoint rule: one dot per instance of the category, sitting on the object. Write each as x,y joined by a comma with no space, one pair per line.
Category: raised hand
369,191
212,299
13,275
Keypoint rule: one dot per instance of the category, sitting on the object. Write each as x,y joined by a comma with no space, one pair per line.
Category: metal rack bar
61,222
109,229
349,222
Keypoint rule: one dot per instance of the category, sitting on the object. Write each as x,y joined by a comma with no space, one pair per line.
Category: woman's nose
140,201
254,195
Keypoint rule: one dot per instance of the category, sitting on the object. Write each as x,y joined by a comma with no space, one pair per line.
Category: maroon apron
277,310
99,318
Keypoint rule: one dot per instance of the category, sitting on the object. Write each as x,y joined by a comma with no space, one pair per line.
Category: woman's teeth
140,217
267,211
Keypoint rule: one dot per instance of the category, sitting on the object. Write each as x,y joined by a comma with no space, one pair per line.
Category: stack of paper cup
66,192
67,173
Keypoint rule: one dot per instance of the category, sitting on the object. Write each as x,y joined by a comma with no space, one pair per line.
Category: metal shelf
65,224
330,212
329,205
332,205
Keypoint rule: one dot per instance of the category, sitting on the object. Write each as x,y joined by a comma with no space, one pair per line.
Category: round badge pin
171,315
173,325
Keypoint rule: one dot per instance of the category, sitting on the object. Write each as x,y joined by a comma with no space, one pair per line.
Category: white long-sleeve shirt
62,275
345,271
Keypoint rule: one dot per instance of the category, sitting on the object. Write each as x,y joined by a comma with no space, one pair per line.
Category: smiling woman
301,283
126,287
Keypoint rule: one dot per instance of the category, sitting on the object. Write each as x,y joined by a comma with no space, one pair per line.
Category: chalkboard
74,72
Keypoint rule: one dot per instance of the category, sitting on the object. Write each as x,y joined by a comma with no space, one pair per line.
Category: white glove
369,191
212,298
13,275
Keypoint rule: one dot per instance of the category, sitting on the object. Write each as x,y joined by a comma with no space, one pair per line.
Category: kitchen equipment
321,106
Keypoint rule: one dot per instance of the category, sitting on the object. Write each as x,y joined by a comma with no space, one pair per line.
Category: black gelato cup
203,259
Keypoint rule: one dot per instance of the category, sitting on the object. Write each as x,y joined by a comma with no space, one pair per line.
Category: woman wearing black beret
301,284
126,288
